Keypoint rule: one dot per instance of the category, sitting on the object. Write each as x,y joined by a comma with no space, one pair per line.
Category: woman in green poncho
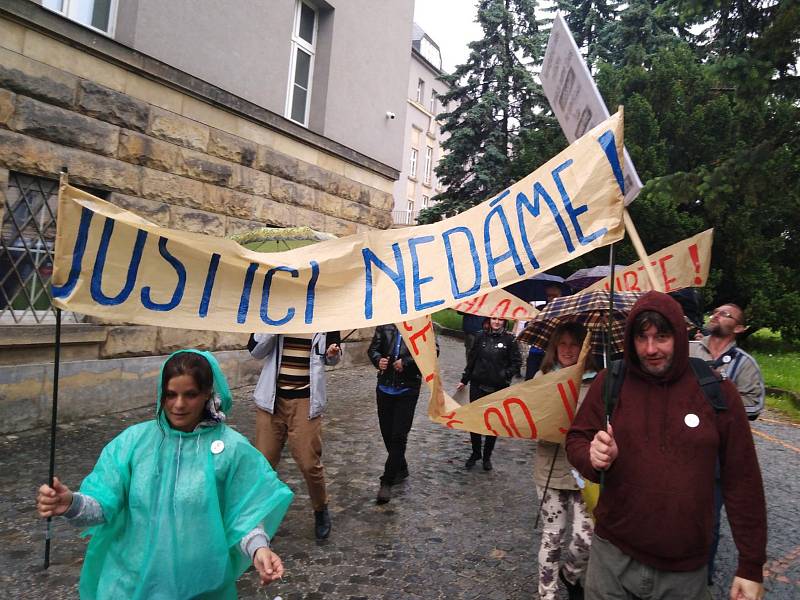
176,507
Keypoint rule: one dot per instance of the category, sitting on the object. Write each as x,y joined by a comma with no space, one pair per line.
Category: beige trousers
290,422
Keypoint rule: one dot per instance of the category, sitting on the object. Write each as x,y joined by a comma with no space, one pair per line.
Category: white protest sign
574,97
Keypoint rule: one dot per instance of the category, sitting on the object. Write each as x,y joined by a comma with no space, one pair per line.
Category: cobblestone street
447,533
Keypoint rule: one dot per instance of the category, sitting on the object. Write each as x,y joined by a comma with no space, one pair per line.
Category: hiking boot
487,464
472,460
322,523
384,494
574,590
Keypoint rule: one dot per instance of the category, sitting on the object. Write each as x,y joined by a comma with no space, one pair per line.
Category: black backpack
708,380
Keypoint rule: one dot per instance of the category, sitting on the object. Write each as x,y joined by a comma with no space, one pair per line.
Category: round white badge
501,345
691,420
217,446
726,359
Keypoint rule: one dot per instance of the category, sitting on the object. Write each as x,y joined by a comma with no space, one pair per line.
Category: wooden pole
640,251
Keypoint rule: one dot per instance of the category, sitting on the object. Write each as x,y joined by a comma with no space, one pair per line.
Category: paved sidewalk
447,533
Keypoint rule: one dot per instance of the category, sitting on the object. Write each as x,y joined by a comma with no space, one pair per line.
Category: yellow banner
538,409
679,266
113,264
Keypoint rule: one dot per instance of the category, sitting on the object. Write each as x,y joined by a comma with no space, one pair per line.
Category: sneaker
472,460
384,494
322,523
574,590
487,464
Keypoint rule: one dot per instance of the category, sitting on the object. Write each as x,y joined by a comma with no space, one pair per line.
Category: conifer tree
493,99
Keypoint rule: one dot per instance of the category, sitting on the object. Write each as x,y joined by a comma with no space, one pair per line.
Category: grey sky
450,23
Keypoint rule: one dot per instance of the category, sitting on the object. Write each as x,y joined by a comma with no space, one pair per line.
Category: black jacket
493,360
382,346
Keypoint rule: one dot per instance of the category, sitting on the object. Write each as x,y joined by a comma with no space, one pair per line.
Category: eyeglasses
724,313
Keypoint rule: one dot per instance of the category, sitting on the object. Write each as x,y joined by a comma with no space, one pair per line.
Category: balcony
405,217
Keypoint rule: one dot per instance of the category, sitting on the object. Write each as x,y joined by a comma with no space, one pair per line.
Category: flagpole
54,413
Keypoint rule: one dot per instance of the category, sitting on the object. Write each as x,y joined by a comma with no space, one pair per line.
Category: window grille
27,244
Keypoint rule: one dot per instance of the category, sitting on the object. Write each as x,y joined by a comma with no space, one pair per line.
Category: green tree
496,107
712,126
587,19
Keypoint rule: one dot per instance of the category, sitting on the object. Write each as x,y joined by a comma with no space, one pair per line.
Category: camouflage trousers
556,508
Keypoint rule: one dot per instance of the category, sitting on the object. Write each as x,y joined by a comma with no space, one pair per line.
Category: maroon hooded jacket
658,501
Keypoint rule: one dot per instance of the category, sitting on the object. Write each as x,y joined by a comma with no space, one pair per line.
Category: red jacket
657,504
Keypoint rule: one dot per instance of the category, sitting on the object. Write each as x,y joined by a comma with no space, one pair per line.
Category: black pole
607,351
53,421
546,487
54,413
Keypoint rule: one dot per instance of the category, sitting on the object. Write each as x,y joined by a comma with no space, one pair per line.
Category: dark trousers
395,415
488,446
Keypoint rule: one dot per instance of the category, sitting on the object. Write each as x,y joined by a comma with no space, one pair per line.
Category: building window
428,165
420,90
425,202
27,243
432,107
410,212
412,172
301,68
97,14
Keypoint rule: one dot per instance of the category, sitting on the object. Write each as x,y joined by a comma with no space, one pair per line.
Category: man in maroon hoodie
659,451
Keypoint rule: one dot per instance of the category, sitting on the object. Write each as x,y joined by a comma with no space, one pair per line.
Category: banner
537,409
681,265
574,97
113,264
498,303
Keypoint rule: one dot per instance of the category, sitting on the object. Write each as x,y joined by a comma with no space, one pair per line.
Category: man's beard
657,372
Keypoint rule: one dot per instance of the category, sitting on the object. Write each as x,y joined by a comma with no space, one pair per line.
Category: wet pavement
447,533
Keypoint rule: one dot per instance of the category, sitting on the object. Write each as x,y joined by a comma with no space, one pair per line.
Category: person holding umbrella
556,486
493,361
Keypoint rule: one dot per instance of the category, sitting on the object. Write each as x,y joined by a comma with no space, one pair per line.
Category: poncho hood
222,393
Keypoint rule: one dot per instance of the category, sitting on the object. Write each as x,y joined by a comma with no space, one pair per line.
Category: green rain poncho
175,511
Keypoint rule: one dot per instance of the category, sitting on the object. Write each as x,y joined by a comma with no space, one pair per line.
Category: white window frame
420,90
299,43
426,201
68,5
410,211
412,171
432,106
428,165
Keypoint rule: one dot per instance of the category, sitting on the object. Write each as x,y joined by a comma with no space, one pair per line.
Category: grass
448,318
779,360
784,404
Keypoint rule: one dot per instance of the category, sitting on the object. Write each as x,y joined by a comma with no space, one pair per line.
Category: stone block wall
185,156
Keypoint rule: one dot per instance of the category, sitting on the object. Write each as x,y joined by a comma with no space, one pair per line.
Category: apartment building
417,184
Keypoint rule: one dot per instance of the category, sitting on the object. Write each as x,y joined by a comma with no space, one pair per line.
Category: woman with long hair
556,486
494,360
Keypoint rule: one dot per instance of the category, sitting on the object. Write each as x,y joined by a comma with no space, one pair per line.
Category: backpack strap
709,383
706,377
613,384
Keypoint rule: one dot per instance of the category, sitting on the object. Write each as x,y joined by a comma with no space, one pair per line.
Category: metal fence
27,243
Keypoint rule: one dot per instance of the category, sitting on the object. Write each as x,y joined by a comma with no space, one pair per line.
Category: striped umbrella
591,311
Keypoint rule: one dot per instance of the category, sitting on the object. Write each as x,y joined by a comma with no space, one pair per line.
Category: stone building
422,139
212,120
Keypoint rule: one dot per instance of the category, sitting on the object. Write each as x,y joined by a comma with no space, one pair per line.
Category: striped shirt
293,372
